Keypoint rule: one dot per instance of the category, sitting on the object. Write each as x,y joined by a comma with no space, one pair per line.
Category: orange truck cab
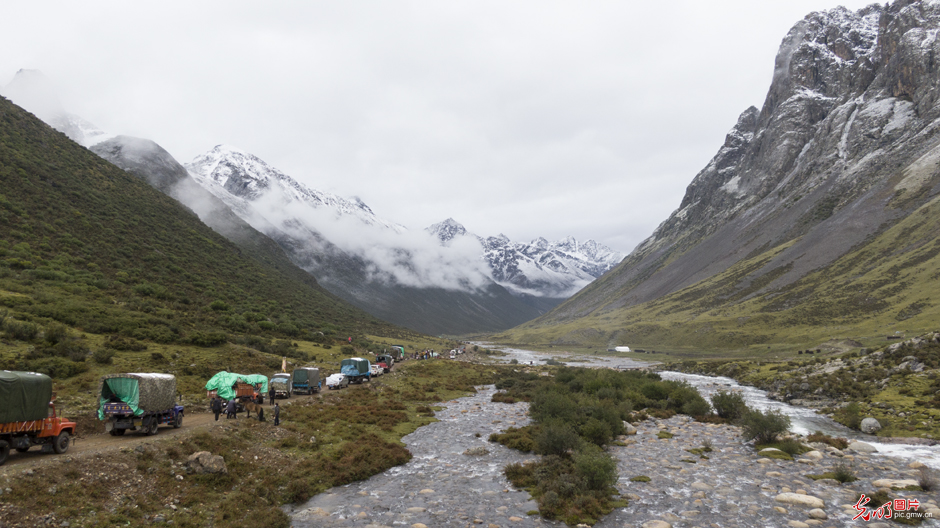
28,415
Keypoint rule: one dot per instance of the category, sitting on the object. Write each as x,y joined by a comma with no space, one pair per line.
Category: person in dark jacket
277,414
216,407
271,394
230,409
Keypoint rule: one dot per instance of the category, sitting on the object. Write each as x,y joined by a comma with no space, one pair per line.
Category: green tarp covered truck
225,385
306,380
27,415
134,401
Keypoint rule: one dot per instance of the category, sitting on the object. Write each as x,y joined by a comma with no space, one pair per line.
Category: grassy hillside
887,286
88,248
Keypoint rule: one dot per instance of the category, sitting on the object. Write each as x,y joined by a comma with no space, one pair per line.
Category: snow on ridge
248,176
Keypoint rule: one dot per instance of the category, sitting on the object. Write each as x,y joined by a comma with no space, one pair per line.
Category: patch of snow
845,133
903,113
731,186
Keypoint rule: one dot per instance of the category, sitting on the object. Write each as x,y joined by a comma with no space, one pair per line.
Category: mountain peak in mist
33,91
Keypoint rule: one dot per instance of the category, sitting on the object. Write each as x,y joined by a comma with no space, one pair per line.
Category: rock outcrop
843,148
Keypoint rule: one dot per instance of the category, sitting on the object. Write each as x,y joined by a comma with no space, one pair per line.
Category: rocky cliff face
844,146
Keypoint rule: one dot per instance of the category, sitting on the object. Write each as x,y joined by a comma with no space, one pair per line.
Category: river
455,478
803,420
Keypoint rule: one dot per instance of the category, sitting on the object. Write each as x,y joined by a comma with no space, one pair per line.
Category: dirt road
99,443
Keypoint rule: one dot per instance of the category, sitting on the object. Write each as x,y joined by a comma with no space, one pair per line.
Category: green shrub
552,405
763,427
103,356
850,416
697,407
729,405
843,472
55,332
556,438
20,330
208,339
596,432
596,468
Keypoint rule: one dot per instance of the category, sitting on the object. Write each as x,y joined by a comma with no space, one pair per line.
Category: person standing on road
277,414
271,394
216,407
230,409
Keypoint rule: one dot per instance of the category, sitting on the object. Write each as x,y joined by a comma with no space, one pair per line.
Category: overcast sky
528,118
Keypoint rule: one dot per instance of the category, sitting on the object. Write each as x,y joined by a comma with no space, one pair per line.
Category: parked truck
138,401
306,380
385,361
356,370
281,383
239,387
28,417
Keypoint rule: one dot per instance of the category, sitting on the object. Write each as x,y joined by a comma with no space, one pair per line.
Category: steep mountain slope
374,264
844,151
87,244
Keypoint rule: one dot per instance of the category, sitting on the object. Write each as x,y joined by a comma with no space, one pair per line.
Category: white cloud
408,258
532,118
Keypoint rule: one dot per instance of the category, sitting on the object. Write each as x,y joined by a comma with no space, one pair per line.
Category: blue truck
356,369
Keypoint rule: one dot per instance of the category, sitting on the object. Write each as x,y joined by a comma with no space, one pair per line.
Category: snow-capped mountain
229,172
540,268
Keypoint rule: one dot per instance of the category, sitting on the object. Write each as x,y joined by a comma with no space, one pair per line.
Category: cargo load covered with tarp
142,392
24,396
223,383
306,374
355,367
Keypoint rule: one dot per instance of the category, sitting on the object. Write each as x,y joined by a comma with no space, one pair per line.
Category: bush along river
674,472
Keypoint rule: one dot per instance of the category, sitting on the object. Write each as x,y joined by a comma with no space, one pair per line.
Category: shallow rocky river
445,485
440,486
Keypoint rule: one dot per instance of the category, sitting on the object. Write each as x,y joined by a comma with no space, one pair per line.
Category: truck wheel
117,432
152,427
4,451
178,421
61,443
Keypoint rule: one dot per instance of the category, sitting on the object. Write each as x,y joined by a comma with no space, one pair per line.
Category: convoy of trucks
132,401
28,417
144,401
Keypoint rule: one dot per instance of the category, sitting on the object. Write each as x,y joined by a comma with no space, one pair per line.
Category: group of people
427,354
231,407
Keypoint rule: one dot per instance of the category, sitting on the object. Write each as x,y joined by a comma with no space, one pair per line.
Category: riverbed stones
468,489
861,447
894,483
817,513
656,524
870,426
799,499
